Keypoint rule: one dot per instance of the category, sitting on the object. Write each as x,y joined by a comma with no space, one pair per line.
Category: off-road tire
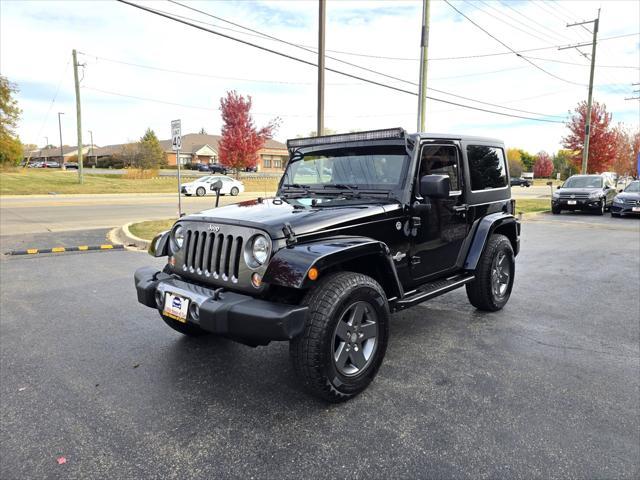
479,291
312,352
201,192
188,329
235,191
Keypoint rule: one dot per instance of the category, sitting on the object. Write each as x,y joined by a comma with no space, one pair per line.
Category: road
55,213
546,388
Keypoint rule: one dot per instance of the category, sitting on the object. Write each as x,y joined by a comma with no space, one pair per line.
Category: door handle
460,208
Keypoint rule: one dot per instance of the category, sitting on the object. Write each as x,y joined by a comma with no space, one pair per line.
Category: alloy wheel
355,339
500,275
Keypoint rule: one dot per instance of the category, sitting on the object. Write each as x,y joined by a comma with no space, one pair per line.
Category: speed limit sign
176,135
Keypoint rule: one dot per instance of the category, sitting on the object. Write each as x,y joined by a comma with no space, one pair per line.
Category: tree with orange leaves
602,141
238,148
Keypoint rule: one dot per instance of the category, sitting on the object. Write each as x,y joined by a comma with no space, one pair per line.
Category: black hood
271,216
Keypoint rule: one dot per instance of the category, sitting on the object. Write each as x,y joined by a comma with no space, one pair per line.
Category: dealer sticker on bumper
176,307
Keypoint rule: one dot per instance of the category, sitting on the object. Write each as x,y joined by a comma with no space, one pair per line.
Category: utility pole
78,115
321,29
60,130
424,50
587,127
46,144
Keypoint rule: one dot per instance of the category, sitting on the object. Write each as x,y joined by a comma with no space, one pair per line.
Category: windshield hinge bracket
289,235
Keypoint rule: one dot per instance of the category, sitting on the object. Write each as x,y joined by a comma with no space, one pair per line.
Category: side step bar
430,290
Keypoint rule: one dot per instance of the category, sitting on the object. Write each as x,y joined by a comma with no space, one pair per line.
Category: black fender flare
159,246
290,266
505,223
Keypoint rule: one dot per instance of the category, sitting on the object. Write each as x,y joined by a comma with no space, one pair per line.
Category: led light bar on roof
385,134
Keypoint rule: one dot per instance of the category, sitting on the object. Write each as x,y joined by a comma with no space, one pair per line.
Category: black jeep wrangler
362,225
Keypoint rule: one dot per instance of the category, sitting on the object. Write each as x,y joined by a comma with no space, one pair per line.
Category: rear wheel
200,192
345,338
235,191
491,289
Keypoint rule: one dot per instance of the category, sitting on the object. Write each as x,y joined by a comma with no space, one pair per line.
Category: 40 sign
176,135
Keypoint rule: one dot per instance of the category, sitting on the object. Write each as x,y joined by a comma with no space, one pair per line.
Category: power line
580,64
150,10
557,35
512,50
211,76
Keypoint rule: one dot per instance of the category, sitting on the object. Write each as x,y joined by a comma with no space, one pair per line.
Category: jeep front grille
216,255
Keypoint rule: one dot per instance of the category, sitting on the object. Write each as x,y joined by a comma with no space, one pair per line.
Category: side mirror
216,186
558,187
550,184
435,186
620,191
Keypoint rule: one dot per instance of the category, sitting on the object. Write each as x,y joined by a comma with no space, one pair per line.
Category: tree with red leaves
602,141
238,148
543,168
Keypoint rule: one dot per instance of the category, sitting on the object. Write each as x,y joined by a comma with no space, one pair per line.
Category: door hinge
399,256
415,260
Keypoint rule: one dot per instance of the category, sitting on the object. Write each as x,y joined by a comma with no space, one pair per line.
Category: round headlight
260,249
178,236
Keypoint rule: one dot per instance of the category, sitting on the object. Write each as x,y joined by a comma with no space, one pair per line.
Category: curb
81,248
124,236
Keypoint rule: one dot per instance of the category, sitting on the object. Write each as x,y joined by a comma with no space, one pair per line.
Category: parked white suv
202,186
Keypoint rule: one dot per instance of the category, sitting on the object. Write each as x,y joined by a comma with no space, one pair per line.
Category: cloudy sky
142,71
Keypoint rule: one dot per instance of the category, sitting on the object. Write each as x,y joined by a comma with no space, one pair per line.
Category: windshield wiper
300,186
343,186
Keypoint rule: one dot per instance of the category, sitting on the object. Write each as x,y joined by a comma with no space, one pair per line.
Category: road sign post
176,143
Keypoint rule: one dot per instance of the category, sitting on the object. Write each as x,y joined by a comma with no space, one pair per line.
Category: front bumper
581,203
237,316
624,209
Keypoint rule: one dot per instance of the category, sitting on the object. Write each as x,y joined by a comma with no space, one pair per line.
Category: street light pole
91,135
60,130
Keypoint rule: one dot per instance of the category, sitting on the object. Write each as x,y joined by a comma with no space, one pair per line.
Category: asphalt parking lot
547,388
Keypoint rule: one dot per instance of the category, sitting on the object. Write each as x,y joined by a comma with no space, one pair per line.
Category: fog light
256,280
159,299
194,309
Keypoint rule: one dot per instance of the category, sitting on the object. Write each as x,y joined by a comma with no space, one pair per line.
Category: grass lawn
41,181
533,205
542,182
150,229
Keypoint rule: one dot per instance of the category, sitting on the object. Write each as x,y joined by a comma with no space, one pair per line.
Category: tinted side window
441,160
486,167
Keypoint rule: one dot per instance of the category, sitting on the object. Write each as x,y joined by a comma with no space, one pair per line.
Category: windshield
356,168
633,187
583,182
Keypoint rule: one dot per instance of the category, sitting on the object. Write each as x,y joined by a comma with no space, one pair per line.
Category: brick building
202,148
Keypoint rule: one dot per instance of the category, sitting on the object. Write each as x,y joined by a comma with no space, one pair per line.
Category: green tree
562,164
10,145
151,155
515,162
528,160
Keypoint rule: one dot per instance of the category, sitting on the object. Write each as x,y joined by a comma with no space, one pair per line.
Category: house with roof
203,148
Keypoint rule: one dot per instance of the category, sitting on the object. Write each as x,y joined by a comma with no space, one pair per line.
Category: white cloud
36,39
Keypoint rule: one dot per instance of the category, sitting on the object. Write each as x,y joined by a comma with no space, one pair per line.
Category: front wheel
555,210
491,289
345,338
602,207
201,192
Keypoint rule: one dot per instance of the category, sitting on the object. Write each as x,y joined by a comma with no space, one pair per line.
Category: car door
443,227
